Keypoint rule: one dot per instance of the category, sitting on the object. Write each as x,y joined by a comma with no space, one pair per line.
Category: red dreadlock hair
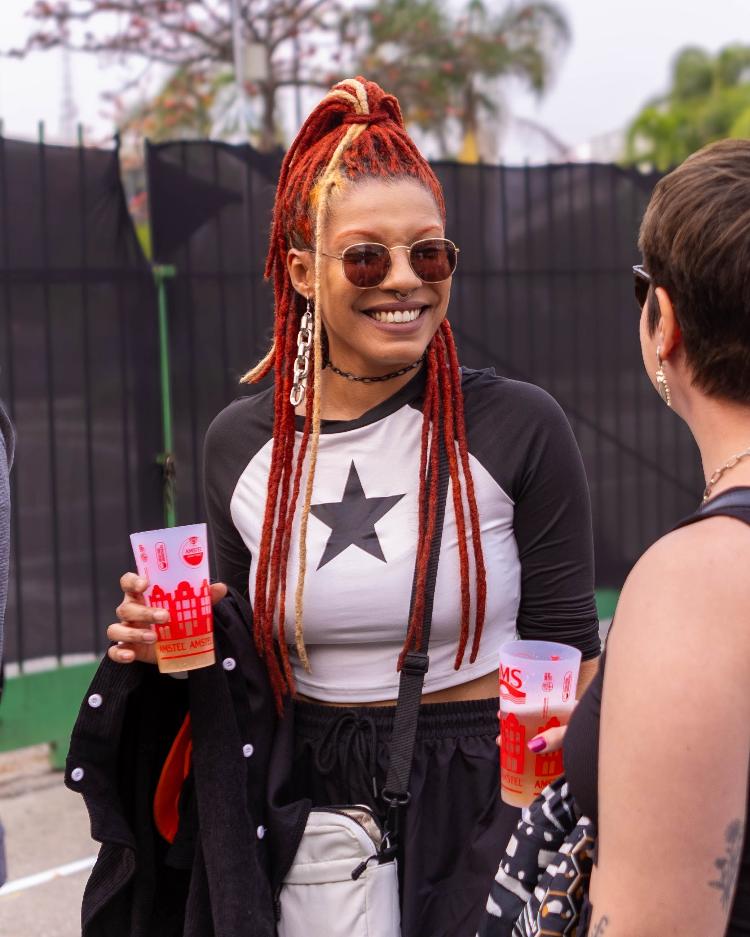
356,132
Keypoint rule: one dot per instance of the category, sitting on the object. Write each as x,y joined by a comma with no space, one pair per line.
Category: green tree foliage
709,99
445,63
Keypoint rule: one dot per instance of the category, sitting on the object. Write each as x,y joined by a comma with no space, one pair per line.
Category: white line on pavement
31,881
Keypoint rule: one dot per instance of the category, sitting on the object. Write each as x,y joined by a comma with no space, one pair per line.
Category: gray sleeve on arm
7,444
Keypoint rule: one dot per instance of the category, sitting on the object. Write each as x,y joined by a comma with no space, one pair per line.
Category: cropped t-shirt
534,516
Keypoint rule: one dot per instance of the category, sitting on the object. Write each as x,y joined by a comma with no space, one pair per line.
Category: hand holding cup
134,632
538,681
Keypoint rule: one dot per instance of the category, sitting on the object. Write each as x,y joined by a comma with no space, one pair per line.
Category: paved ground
46,829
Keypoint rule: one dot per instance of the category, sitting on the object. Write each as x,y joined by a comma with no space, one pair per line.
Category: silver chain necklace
372,380
729,464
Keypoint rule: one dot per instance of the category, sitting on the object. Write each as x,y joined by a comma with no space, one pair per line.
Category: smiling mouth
399,315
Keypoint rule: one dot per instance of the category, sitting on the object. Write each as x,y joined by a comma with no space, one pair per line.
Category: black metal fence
543,294
79,375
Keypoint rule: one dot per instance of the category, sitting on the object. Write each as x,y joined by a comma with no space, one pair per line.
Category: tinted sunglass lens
433,259
366,265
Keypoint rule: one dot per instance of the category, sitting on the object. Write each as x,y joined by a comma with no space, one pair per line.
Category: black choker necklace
372,380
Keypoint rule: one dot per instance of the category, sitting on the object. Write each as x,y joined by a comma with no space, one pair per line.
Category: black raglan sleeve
226,452
552,523
530,449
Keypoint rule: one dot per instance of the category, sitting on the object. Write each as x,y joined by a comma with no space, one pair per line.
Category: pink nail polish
537,745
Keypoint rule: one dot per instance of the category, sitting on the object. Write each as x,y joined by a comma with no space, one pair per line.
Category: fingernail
140,583
126,655
161,616
537,745
149,636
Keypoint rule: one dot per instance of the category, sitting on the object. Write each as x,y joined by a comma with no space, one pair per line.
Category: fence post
162,273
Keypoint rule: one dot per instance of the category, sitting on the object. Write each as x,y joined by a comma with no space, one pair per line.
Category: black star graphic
352,520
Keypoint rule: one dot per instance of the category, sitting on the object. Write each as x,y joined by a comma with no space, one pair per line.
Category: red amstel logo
192,551
511,685
161,556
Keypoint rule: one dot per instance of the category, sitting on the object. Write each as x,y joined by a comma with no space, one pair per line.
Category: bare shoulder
692,584
674,741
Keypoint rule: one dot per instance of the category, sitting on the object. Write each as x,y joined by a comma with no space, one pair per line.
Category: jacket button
247,750
229,663
77,774
95,700
261,832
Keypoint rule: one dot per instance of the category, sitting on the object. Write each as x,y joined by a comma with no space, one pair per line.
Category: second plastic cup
537,692
175,563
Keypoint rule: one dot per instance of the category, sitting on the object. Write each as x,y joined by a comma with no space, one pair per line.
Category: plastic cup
175,563
538,682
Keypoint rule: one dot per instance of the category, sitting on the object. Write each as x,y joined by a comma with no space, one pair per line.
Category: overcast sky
619,57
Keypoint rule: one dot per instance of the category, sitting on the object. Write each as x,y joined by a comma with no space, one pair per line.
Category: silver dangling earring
302,361
661,380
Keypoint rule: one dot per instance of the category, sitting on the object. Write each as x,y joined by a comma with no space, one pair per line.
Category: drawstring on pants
350,741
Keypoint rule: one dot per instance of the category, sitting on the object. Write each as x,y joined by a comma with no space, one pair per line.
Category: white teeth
407,315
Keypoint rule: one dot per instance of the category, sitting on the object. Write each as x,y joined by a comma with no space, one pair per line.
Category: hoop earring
661,380
302,361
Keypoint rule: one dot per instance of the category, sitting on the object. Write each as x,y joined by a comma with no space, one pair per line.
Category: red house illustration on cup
549,765
512,744
189,611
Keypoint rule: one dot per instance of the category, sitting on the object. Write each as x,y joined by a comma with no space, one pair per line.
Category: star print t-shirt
534,515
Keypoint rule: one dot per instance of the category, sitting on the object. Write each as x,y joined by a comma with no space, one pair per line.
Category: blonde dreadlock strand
324,186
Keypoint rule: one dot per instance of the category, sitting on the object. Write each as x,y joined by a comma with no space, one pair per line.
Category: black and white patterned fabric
542,882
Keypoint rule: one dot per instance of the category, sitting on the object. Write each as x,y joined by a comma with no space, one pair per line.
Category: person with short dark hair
657,752
694,241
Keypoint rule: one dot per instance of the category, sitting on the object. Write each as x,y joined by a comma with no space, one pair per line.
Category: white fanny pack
335,885
343,881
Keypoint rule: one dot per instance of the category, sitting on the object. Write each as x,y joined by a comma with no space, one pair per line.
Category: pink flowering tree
194,39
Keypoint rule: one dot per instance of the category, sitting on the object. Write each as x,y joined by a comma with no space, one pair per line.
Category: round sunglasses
641,284
367,265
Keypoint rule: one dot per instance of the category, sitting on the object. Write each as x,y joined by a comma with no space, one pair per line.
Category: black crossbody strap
416,663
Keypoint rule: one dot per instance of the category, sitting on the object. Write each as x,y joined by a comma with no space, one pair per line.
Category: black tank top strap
735,502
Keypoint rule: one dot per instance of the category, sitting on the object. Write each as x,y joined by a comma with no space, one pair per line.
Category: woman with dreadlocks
322,500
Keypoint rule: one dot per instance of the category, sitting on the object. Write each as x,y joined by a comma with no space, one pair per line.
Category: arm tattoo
598,929
729,864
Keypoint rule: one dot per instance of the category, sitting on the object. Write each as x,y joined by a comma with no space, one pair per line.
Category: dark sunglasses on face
367,265
641,284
